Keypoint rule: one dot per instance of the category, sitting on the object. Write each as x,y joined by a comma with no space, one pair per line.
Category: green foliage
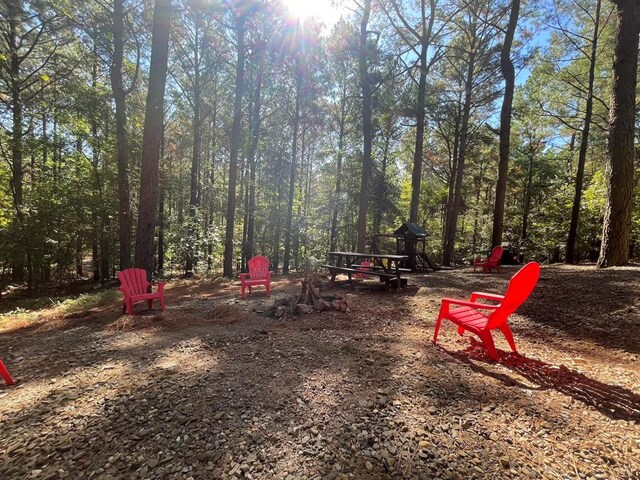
58,306
69,209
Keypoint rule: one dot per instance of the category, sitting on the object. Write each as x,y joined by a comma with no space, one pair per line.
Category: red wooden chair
468,317
135,288
492,261
366,265
4,373
259,274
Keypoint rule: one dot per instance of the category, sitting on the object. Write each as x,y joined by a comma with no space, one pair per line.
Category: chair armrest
268,277
465,303
487,296
125,291
160,286
243,276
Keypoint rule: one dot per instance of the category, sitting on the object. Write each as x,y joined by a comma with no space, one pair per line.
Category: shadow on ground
599,306
612,400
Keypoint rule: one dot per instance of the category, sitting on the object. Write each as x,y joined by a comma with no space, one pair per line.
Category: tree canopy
290,130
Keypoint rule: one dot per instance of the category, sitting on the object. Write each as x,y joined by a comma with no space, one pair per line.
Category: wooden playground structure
411,242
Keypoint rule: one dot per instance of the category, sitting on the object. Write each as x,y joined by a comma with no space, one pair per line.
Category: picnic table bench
387,278
389,273
377,267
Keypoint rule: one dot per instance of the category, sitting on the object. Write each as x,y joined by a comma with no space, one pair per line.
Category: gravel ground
217,388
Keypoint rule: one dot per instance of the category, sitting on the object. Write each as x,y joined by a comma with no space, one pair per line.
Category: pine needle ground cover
217,387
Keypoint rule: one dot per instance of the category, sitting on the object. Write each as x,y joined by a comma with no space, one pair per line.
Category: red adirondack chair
468,317
259,274
366,265
492,261
4,373
135,288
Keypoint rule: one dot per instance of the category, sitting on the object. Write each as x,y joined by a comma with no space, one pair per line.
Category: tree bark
526,203
235,147
367,128
122,139
152,136
333,242
616,233
277,201
451,180
161,218
161,228
452,220
584,142
380,188
416,174
99,244
195,158
15,11
508,73
212,180
300,72
425,43
253,148
105,251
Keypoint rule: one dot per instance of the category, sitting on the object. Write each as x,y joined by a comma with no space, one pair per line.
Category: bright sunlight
320,9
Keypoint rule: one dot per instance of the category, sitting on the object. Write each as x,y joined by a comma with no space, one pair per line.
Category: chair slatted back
496,254
258,267
520,287
135,279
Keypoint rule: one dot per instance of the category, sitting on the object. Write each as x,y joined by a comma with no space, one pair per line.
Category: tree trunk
333,243
122,140
253,148
195,158
416,176
56,150
15,11
277,201
474,238
105,225
300,71
526,204
584,142
508,72
295,240
212,180
98,208
235,147
105,251
152,136
95,253
45,142
451,181
78,257
452,220
161,227
244,193
161,202
17,118
616,234
367,128
381,187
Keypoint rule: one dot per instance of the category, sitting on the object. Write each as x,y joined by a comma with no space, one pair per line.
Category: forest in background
284,137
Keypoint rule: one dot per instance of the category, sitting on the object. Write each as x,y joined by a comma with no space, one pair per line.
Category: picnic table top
369,255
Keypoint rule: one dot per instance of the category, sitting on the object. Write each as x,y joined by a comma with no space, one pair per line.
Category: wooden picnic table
388,266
